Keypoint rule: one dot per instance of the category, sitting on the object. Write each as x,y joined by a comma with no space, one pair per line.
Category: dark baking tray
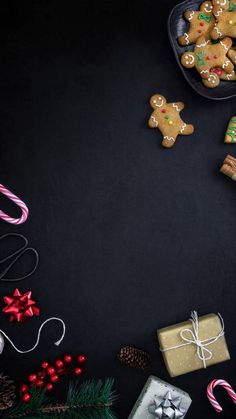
176,27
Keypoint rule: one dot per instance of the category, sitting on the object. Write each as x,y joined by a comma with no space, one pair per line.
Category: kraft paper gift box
159,399
193,344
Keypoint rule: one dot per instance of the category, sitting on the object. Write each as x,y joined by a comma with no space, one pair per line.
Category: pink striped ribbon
211,396
19,203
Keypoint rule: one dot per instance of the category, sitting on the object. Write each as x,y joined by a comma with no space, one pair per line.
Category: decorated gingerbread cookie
223,5
166,117
201,22
230,136
225,13
207,56
229,167
227,76
232,55
223,75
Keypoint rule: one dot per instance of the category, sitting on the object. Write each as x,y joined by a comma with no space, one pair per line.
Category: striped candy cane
211,396
17,201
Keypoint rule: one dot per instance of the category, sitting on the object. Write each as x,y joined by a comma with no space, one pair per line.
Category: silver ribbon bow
166,407
191,337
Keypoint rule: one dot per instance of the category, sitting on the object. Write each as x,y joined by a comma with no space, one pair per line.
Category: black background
131,236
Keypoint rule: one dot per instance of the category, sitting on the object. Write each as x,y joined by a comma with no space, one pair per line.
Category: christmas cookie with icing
223,75
166,117
201,22
229,167
227,76
207,56
232,55
230,136
225,13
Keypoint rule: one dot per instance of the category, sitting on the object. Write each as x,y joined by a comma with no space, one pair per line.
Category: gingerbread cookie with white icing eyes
220,6
207,56
166,117
225,13
201,22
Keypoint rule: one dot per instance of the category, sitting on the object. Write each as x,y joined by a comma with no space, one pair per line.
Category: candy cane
17,201
211,396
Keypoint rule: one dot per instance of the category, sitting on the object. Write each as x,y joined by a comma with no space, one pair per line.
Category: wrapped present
159,400
230,136
229,167
194,344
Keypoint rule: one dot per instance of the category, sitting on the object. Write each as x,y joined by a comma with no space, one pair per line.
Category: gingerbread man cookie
207,56
232,55
225,13
223,75
201,23
166,117
230,136
228,76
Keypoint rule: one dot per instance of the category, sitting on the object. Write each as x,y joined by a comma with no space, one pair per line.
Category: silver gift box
156,388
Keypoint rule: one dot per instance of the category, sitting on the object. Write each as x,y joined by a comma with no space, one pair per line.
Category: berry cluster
50,374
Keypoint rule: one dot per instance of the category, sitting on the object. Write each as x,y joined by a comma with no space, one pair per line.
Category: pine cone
134,357
7,392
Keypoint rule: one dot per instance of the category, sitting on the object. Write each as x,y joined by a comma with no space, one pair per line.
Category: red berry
32,378
81,359
39,383
78,371
26,398
199,31
208,58
44,365
163,111
67,358
215,56
24,388
51,370
41,375
54,378
201,24
59,363
49,387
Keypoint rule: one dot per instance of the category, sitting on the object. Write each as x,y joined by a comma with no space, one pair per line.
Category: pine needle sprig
38,398
91,400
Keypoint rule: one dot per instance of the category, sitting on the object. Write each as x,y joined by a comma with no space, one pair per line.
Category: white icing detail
212,78
224,46
191,15
186,37
203,44
183,127
227,62
161,104
219,12
154,120
217,30
176,107
191,59
223,3
207,10
229,76
169,138
204,72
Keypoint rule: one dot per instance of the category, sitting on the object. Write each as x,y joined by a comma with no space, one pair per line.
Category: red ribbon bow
20,306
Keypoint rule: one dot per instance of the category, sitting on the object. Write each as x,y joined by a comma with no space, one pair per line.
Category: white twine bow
203,352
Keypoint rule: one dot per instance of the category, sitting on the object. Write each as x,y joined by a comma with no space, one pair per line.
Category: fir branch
91,400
